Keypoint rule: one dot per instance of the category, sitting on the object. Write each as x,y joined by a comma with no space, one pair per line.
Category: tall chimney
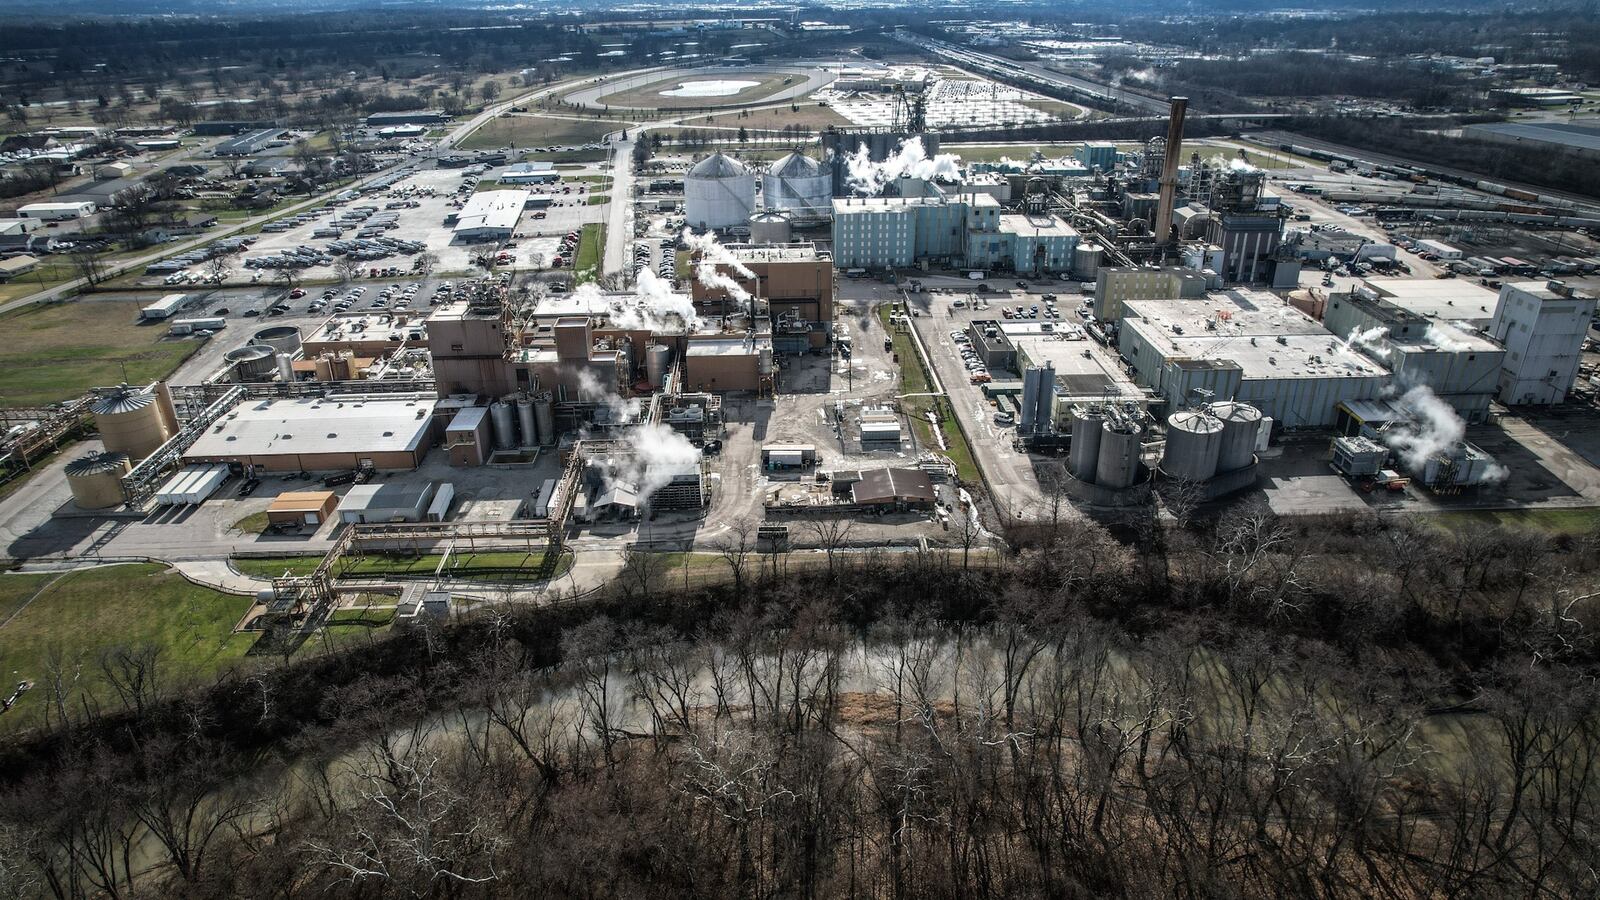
1169,172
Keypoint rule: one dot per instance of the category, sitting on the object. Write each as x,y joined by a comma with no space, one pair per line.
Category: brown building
312,434
795,280
894,489
302,508
468,346
467,437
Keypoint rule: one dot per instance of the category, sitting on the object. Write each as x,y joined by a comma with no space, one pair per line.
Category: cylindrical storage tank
656,359
1241,422
344,366
1085,454
96,479
798,184
130,422
1194,442
1117,464
544,418
764,364
282,338
1086,261
718,192
500,418
530,433
324,364
252,363
285,367
771,227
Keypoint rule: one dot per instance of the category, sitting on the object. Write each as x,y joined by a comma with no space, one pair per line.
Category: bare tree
831,535
90,265
735,548
219,267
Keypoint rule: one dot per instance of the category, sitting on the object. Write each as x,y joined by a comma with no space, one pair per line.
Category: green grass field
462,565
914,379
15,589
89,612
58,351
591,243
539,131
1555,521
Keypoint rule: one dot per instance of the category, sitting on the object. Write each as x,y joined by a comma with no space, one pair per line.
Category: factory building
530,173
1462,367
1543,326
320,434
1454,300
56,212
410,117
718,192
490,216
1115,287
1100,156
959,230
796,283
1246,347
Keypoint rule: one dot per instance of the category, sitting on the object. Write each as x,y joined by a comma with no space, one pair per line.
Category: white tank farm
798,184
1194,442
718,192
1241,423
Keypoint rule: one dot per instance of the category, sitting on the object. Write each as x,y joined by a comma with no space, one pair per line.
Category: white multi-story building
1542,325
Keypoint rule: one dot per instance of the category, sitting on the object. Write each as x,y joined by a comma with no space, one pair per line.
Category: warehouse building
530,173
1454,300
320,434
490,216
57,212
246,144
409,117
1248,347
390,501
1543,326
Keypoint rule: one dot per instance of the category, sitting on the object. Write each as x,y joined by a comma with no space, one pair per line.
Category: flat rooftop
1239,313
1437,298
1084,369
367,327
1043,226
806,252
1282,356
492,209
317,425
726,346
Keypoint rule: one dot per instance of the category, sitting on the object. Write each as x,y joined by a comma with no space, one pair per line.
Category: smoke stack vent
1169,171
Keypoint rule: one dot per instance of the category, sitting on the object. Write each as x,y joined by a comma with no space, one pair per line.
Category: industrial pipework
1169,172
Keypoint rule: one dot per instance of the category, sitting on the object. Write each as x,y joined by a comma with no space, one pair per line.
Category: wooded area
1255,707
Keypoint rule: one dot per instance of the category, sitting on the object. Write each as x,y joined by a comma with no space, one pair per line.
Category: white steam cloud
591,389
869,178
713,256
1434,428
1447,337
659,454
656,306
1367,341
1239,165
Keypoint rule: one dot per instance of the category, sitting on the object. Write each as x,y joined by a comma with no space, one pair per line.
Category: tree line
1251,707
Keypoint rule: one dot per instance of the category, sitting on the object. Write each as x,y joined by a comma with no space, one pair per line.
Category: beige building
795,280
1115,287
316,434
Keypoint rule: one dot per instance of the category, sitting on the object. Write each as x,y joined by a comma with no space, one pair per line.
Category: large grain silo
718,192
798,184
1241,422
130,421
96,479
1194,443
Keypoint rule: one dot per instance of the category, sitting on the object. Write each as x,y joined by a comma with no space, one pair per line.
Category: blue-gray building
962,230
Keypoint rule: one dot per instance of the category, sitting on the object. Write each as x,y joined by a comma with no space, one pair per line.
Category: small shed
302,508
895,489
788,456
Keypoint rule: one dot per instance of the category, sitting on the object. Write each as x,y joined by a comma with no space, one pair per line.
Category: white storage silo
500,420
718,192
798,184
1241,423
1194,442
656,359
530,435
1086,261
771,227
